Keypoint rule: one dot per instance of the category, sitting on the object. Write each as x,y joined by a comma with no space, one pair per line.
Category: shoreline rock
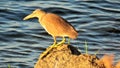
67,56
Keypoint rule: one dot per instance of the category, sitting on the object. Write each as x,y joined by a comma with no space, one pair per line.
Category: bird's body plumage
54,25
57,26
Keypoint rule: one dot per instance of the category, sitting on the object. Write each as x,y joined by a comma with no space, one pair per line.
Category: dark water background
21,42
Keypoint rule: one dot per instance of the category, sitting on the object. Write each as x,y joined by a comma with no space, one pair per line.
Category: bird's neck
41,15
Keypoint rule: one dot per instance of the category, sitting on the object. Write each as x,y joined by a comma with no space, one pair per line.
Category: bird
55,25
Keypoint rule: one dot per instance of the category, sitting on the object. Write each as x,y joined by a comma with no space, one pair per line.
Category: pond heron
55,25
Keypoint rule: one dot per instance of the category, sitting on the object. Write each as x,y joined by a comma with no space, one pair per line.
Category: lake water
21,42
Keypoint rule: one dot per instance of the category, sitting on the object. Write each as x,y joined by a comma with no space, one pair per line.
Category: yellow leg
62,42
49,48
68,41
55,42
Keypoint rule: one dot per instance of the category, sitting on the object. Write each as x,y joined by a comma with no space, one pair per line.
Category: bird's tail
73,34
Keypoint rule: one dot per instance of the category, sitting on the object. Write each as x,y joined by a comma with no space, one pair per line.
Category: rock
67,56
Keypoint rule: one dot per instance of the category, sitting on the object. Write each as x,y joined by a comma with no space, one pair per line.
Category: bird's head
36,13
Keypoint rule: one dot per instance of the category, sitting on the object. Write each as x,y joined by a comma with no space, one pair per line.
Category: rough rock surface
67,56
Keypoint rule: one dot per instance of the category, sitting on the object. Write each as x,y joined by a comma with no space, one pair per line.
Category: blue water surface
21,42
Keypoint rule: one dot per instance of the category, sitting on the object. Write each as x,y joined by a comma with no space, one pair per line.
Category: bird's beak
28,17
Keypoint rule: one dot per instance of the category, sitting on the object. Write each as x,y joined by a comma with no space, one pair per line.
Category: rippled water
21,42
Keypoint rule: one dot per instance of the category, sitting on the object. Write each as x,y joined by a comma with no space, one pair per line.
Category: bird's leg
68,41
49,48
55,42
62,42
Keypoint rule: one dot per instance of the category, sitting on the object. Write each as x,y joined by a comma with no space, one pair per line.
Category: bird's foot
51,47
47,51
60,43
